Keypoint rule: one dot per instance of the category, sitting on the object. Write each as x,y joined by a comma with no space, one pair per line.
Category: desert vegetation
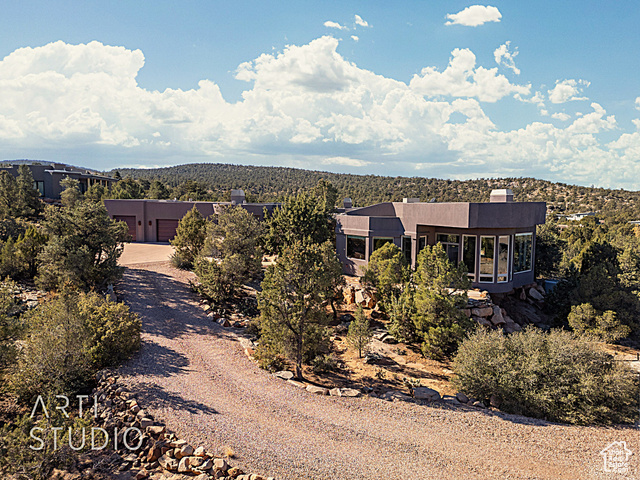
55,343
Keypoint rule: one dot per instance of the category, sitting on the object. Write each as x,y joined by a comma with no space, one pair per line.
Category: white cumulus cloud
474,16
561,116
360,22
355,38
462,78
330,24
505,57
567,90
304,106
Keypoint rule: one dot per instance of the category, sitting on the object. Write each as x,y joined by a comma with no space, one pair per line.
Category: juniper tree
441,293
292,316
189,239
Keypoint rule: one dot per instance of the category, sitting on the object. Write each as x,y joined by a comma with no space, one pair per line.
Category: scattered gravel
193,375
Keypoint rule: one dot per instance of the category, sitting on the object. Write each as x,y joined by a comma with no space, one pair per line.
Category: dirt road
194,376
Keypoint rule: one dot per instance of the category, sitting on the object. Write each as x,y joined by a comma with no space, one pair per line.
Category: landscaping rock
168,463
284,374
317,390
425,393
536,295
296,383
224,322
462,398
482,311
497,318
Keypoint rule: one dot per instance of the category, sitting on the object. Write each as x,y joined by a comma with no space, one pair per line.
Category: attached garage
166,229
130,220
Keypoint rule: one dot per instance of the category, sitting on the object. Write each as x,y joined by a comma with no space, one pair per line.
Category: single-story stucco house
495,240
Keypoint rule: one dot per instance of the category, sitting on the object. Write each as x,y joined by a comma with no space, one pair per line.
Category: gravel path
193,375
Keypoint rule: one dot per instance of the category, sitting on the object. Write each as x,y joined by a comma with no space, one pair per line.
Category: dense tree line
276,183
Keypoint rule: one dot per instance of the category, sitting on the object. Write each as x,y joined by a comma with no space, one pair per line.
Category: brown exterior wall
148,212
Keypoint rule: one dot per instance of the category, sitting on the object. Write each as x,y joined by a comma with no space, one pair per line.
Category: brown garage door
130,220
166,229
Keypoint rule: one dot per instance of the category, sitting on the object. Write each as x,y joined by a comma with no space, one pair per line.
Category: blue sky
438,89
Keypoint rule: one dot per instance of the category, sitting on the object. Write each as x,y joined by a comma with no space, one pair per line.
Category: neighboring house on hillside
576,217
157,220
48,175
495,240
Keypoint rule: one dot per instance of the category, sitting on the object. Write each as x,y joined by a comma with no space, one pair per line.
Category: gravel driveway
194,376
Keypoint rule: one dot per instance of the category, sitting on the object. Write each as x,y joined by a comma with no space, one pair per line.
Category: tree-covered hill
273,183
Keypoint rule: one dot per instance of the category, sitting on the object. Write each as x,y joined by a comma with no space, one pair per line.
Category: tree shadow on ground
168,307
153,396
156,360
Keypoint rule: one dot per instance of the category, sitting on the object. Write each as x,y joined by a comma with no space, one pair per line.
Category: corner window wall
523,244
487,257
503,259
380,241
451,244
356,247
469,255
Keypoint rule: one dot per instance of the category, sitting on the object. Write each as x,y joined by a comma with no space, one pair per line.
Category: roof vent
410,200
347,203
503,195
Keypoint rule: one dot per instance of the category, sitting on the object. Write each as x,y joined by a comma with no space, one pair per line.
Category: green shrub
69,338
557,376
441,293
401,312
189,239
270,357
585,320
386,271
327,362
114,329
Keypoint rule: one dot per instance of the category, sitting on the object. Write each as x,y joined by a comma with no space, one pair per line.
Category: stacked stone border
161,455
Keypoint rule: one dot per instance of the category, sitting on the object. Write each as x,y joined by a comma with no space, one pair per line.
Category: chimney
347,203
237,197
503,195
410,200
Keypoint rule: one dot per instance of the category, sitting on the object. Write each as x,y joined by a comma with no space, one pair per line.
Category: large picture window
487,256
522,252
451,244
356,247
469,254
380,241
406,249
503,259
39,185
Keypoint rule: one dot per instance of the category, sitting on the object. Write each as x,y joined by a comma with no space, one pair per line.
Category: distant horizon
451,90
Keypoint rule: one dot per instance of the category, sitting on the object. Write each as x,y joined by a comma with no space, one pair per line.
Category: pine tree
28,204
359,335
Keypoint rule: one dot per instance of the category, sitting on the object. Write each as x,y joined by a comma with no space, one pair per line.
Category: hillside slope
273,183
